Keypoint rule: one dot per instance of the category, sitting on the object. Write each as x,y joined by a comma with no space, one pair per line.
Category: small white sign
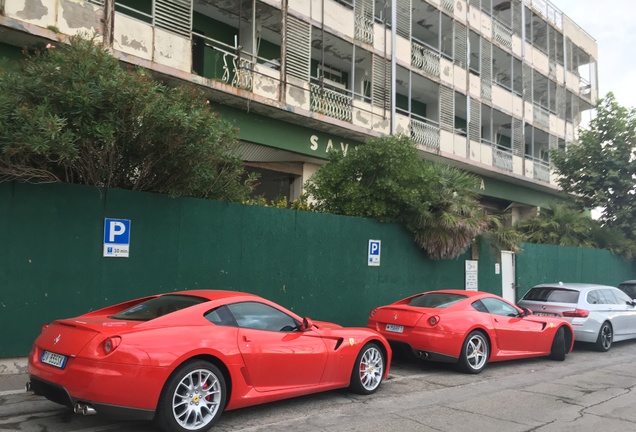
471,275
497,268
374,253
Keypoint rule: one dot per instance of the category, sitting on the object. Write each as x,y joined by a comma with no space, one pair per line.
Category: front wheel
474,355
368,370
558,350
605,337
192,399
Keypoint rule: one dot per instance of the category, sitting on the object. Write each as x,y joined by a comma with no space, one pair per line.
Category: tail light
576,313
111,343
433,321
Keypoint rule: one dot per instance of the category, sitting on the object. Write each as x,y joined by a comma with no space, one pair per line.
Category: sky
613,25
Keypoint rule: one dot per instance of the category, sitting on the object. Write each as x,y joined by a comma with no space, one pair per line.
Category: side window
603,298
260,316
221,316
622,297
593,297
498,307
611,297
479,306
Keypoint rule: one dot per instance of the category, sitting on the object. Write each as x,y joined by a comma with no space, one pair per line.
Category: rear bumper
422,354
60,395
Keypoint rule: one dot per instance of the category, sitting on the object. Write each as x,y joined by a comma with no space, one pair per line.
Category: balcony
425,58
501,156
425,132
332,102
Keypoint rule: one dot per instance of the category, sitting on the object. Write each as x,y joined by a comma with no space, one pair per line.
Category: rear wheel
558,350
368,370
193,398
475,352
605,337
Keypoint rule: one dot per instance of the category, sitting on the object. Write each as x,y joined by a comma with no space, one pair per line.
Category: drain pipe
393,61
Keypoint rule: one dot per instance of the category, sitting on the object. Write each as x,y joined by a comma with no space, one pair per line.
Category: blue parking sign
374,253
116,237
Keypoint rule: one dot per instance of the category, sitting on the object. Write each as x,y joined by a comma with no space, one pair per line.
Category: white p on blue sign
374,253
116,237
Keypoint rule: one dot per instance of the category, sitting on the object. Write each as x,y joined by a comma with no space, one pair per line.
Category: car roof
629,282
460,292
573,286
216,294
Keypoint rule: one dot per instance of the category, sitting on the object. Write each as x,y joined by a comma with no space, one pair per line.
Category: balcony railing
501,156
425,133
541,117
425,58
234,69
331,102
502,34
448,5
541,170
364,28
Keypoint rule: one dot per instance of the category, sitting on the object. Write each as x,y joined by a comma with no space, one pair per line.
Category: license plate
53,359
394,328
544,314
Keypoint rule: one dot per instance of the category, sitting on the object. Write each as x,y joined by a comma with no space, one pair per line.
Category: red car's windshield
436,300
158,306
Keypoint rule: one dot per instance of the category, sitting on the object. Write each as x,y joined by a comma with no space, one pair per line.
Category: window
498,307
436,300
479,306
260,316
221,316
158,306
552,295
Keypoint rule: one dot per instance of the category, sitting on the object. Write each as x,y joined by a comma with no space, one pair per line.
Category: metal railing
331,102
425,58
541,170
364,28
502,34
425,132
541,116
501,156
237,67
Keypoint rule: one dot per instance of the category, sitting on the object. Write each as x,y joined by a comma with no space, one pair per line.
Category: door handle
246,339
496,320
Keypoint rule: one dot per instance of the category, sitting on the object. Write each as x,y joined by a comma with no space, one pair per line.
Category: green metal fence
51,263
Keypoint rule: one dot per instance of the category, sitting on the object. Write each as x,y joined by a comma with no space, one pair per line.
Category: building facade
490,86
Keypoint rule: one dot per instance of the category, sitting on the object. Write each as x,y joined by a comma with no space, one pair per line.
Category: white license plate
53,359
544,314
394,328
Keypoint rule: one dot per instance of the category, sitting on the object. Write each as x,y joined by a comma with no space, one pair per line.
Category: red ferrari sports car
183,358
470,328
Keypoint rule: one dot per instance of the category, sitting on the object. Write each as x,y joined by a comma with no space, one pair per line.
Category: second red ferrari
470,328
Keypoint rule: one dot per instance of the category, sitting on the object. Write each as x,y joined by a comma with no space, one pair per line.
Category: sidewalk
13,375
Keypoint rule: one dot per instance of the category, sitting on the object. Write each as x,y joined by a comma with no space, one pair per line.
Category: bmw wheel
474,355
368,370
605,337
192,399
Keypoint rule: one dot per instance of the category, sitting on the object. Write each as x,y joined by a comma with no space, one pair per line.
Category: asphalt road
589,391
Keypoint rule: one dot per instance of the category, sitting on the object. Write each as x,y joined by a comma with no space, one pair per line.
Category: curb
13,366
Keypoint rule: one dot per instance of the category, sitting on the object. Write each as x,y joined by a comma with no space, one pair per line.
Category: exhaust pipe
28,388
84,409
422,355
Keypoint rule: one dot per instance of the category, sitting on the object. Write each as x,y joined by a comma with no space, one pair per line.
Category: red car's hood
70,336
403,315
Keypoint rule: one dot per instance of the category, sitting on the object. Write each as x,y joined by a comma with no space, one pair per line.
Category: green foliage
600,170
386,179
73,114
566,226
278,202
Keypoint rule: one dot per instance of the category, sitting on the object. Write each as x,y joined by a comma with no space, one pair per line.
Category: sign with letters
471,275
116,237
374,253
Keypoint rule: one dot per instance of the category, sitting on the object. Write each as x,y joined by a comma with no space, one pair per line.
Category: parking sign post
374,253
116,237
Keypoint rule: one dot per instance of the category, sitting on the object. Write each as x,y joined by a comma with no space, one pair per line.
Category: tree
386,179
600,170
563,225
72,113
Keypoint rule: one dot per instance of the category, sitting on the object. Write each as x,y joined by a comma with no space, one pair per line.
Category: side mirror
307,324
526,311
